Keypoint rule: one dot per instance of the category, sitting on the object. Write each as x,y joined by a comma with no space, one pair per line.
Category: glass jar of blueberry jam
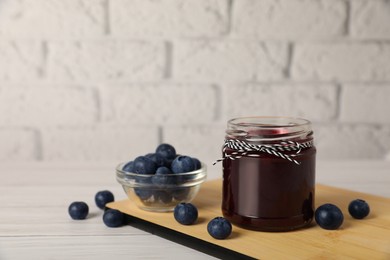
269,173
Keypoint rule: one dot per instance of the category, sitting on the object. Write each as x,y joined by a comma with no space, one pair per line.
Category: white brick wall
368,102
159,104
52,18
167,18
293,19
342,61
94,61
101,143
47,106
110,79
18,144
221,61
348,141
21,60
370,19
282,99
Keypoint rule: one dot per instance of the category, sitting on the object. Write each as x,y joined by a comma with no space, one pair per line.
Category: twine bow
242,148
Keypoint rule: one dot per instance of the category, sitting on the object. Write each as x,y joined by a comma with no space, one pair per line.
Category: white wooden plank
57,174
51,221
95,247
51,196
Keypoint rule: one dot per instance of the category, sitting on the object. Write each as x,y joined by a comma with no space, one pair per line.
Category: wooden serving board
368,238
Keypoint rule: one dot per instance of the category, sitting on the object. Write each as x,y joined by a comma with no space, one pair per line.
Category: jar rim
249,121
261,128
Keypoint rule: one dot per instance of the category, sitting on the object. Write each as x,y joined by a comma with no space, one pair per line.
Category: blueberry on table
78,210
103,197
113,218
358,209
144,165
329,216
219,228
167,151
183,164
185,213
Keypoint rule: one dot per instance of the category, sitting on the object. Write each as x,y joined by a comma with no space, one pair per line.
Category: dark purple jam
269,193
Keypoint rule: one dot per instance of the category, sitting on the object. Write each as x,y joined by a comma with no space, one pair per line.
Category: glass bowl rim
120,171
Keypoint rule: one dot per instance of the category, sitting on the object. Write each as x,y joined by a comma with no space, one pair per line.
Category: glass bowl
160,193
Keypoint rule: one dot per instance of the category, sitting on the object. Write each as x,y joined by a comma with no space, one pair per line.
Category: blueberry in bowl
167,151
182,163
157,187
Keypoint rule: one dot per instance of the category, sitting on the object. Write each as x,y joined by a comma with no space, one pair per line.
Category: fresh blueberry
183,164
163,170
167,151
143,194
78,210
219,228
144,165
128,167
113,218
197,163
181,194
161,178
185,213
329,216
158,159
163,196
103,197
359,209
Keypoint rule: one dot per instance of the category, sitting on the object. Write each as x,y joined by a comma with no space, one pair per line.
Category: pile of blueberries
156,171
79,210
165,160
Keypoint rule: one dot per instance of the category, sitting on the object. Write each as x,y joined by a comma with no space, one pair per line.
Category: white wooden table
34,222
